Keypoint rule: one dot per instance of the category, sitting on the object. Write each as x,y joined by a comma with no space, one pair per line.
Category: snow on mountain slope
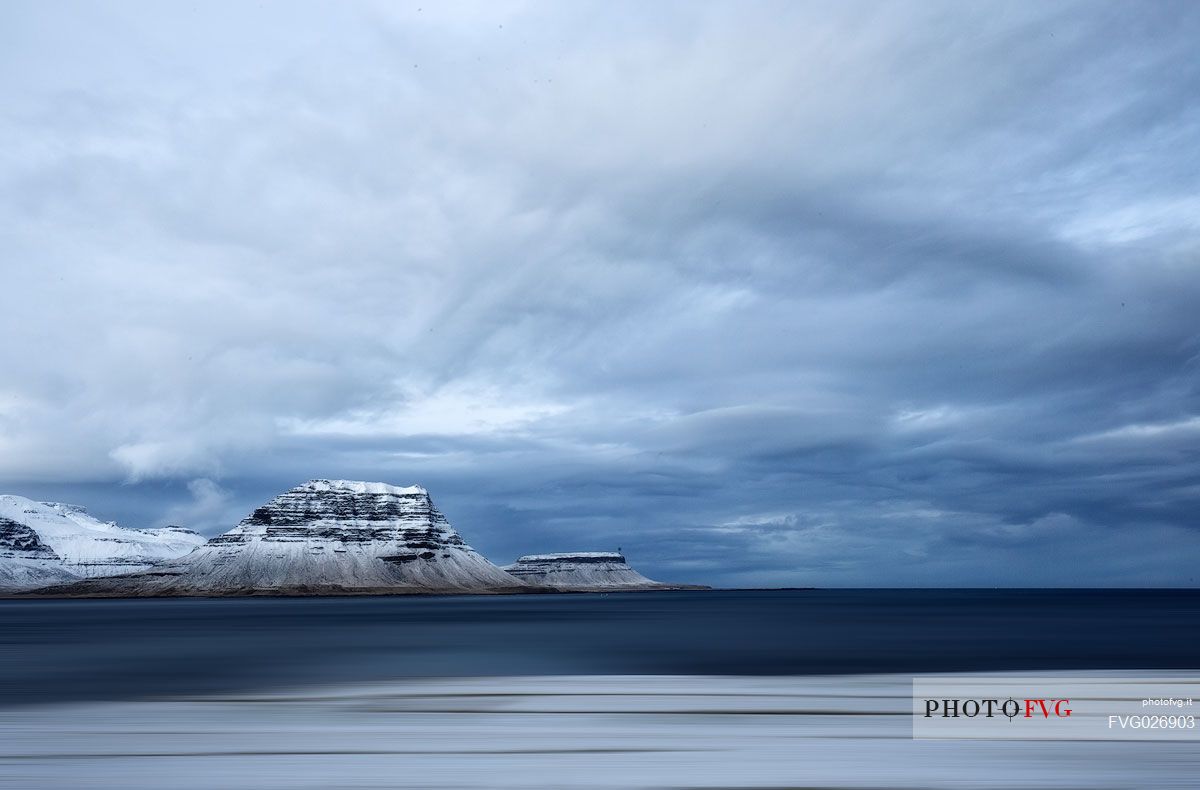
25,561
582,570
19,575
66,538
325,536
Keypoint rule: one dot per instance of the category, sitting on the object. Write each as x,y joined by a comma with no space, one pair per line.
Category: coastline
348,592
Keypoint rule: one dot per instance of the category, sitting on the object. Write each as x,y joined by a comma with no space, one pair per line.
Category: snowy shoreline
601,731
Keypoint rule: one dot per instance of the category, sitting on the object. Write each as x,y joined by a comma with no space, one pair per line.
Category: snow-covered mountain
325,536
582,570
47,542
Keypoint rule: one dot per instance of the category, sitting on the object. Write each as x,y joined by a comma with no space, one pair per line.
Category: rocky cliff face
326,536
48,542
25,561
582,570
18,540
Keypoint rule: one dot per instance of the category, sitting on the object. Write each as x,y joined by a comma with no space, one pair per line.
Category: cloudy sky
765,294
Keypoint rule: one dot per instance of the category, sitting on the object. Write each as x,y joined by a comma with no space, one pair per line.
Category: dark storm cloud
792,294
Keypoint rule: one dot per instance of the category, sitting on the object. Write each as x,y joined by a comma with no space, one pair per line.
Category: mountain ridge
325,537
44,542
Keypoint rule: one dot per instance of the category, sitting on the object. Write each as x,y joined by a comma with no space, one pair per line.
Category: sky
764,294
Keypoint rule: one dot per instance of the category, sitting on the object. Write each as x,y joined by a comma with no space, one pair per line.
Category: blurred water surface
557,732
72,650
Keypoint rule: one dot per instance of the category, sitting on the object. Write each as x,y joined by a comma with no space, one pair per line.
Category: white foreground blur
554,732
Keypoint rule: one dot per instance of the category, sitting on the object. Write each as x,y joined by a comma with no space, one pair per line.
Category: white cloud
456,409
211,509
1187,428
148,460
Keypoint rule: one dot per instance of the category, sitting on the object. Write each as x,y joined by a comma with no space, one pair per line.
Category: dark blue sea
64,650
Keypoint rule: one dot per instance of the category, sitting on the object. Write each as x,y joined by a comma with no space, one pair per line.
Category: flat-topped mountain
47,542
325,537
584,570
